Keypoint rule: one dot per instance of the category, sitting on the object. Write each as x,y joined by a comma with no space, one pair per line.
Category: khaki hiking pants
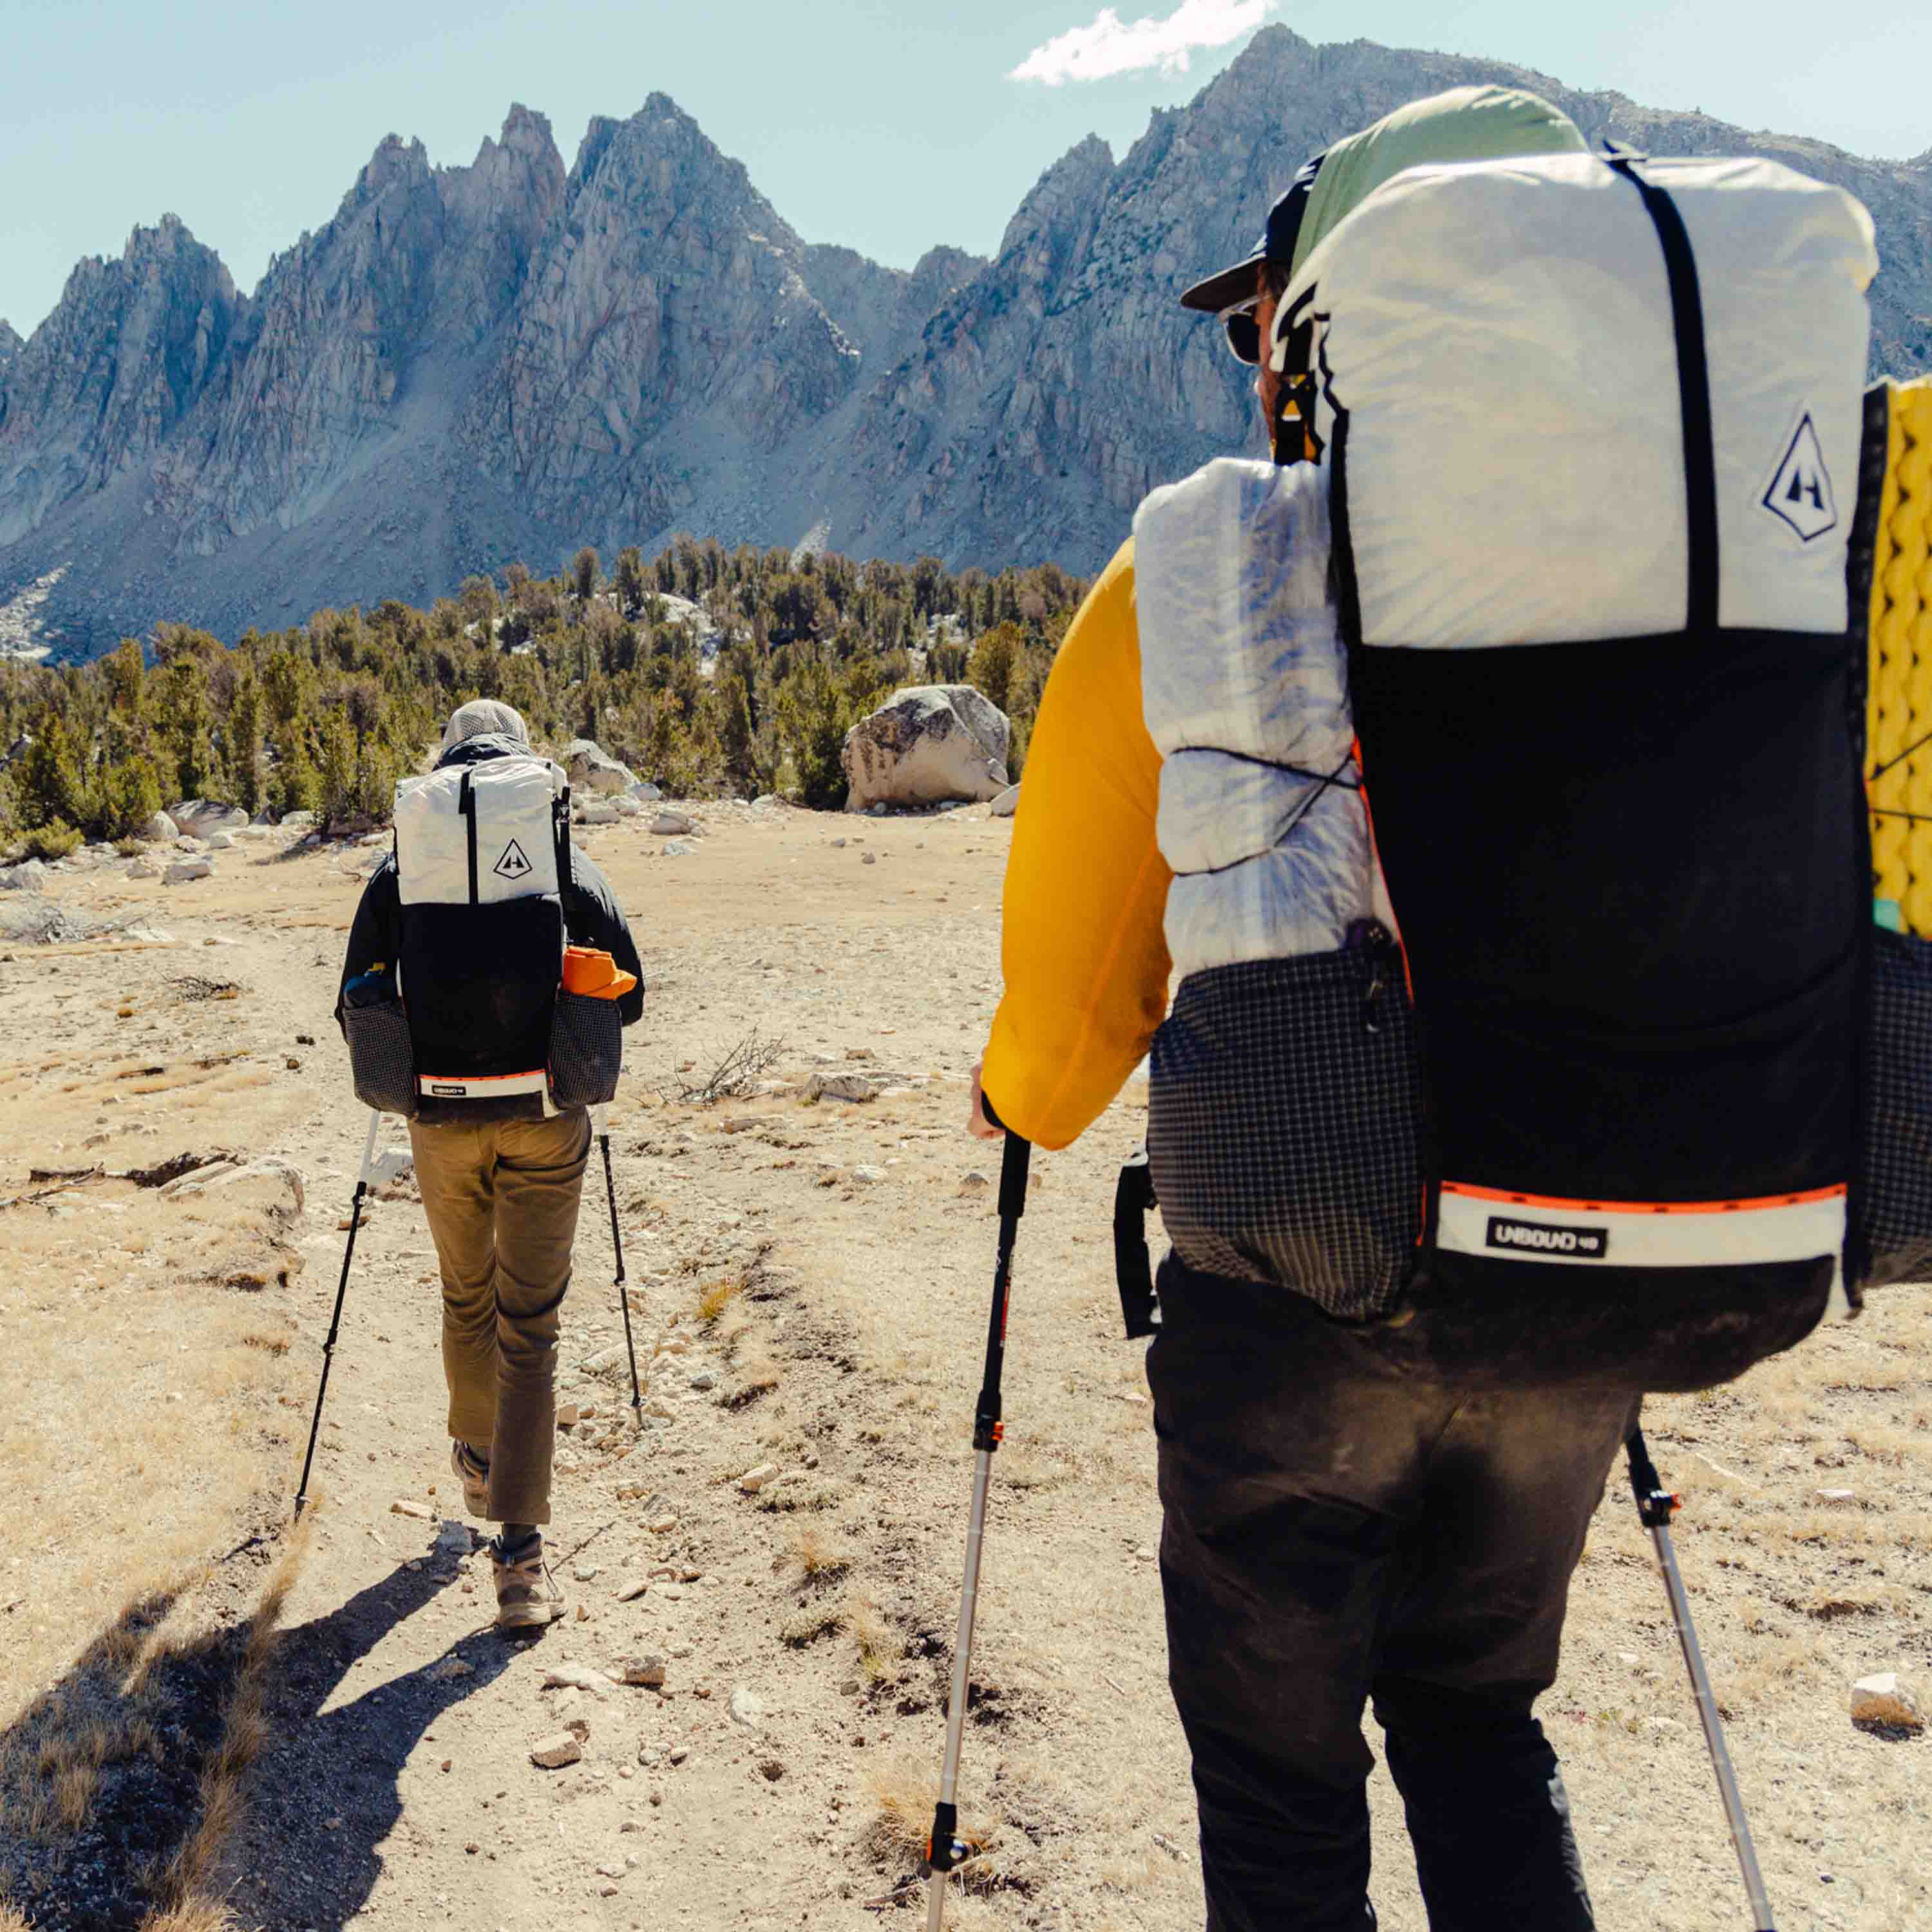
501,1197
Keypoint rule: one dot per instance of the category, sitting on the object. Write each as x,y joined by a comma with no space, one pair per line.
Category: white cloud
1110,46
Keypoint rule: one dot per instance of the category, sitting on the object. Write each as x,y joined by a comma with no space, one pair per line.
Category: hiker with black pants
500,1152
1502,840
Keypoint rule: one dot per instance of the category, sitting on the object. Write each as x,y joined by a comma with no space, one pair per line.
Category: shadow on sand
324,1795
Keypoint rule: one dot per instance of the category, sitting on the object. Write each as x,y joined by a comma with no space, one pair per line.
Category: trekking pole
602,1118
1656,1506
944,1849
341,1289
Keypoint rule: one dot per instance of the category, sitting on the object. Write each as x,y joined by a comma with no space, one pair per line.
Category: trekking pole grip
1014,1162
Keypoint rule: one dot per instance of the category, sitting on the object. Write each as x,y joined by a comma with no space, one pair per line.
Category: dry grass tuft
903,1791
878,1641
817,1554
73,1791
717,1296
808,1625
196,1915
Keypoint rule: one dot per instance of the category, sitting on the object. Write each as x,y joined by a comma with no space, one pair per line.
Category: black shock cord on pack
1322,781
1917,745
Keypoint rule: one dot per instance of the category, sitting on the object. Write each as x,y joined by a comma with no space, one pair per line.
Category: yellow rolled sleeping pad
1898,756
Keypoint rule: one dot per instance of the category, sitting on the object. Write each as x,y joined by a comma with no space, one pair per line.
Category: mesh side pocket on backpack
382,1061
1893,1197
586,1051
1282,1126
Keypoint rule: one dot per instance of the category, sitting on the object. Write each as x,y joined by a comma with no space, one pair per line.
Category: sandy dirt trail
791,1312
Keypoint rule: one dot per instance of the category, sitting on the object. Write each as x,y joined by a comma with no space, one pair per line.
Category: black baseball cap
1230,292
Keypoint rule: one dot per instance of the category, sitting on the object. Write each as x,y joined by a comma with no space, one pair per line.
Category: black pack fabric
481,986
1632,883
1282,1126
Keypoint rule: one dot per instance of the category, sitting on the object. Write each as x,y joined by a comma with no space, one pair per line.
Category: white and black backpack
475,1022
1596,476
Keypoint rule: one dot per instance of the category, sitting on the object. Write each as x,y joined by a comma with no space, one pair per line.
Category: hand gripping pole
1656,1506
944,1849
602,1116
341,1289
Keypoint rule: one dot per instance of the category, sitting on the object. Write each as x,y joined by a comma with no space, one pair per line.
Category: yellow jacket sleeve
1083,951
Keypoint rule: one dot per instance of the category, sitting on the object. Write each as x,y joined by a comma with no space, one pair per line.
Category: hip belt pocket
1282,1129
586,1051
382,1059
1892,1198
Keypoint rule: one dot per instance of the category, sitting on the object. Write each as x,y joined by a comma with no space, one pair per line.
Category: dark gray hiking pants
1339,1529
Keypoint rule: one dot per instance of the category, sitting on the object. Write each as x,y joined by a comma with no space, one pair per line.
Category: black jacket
591,915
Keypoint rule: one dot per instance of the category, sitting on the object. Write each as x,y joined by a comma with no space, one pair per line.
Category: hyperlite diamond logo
1539,1238
512,865
1800,494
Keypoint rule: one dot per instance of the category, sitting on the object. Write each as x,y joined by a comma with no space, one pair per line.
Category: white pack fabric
1244,684
1494,353
479,834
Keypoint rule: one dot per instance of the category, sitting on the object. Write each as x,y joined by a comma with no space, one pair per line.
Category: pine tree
812,722
49,787
131,795
244,746
336,772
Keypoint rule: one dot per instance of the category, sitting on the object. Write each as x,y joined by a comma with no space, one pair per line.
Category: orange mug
592,972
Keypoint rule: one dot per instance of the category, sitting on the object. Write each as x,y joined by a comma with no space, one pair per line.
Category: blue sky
887,124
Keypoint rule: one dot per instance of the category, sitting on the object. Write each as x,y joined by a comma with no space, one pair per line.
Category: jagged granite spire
123,360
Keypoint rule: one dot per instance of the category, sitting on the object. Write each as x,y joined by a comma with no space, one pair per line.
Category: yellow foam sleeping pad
1898,759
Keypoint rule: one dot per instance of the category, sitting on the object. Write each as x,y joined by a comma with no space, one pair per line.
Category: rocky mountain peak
394,162
672,291
526,132
126,355
1062,206
11,342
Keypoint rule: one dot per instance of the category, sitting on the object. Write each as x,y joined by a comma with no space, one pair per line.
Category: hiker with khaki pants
457,947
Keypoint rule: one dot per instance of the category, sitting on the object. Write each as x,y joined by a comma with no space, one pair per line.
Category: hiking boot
526,1599
473,1473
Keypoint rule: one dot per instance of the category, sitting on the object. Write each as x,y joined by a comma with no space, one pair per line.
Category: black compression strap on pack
465,803
1694,391
566,872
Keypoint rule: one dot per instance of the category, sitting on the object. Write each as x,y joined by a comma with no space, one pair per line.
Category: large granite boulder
925,746
593,769
196,817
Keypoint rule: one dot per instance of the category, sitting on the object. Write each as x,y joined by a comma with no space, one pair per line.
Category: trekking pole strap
1655,1505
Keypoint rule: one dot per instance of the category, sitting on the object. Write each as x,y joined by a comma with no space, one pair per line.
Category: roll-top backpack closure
481,834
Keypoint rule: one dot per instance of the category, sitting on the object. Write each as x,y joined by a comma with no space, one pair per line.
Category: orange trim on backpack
1515,1200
